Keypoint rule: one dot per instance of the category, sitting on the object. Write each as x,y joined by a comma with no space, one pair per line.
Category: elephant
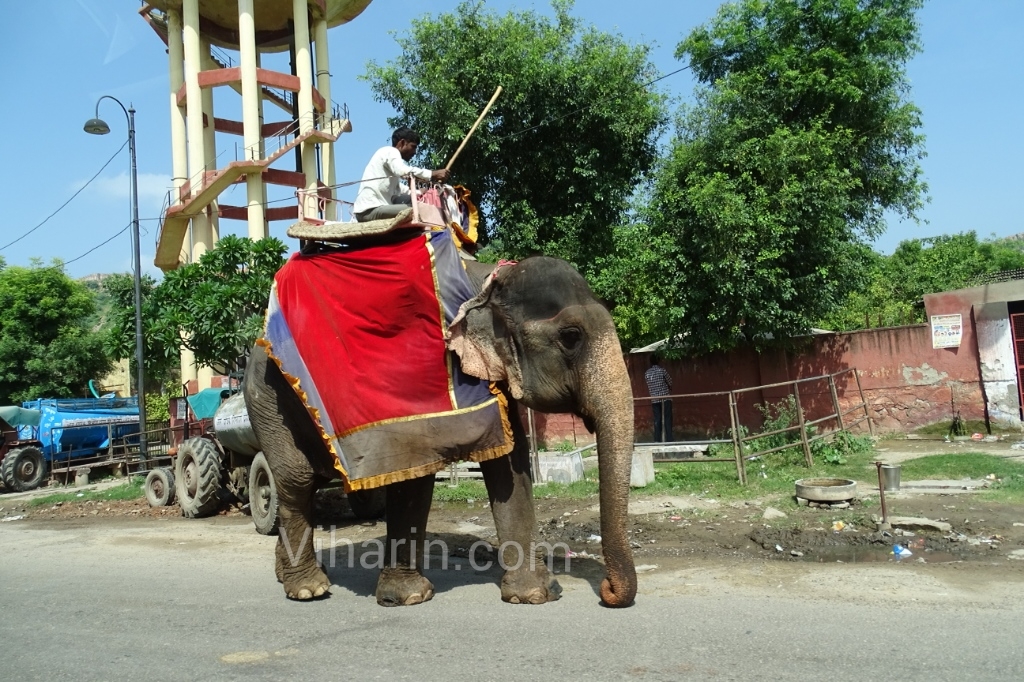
543,336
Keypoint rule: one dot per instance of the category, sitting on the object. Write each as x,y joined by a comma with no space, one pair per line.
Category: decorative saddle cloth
359,332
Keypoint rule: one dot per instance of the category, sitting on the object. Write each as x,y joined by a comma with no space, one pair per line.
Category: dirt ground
985,537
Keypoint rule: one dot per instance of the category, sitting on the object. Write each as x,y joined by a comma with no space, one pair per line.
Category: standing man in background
659,383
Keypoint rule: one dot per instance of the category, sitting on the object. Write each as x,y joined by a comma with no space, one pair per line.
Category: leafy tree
46,347
214,307
896,284
566,144
799,141
119,340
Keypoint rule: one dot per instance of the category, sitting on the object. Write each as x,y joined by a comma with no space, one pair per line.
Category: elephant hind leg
292,445
301,575
408,505
403,587
296,564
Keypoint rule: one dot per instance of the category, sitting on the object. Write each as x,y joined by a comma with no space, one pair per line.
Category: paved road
197,600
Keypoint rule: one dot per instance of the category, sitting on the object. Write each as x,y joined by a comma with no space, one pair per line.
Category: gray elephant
539,332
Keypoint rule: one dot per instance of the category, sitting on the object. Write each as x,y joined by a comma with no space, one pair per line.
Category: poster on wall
947,330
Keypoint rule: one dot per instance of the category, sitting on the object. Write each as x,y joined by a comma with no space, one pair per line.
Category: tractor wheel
368,504
262,496
197,475
159,488
24,469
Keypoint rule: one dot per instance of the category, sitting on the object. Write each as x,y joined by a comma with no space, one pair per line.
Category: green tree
573,134
47,349
119,339
896,284
214,307
799,141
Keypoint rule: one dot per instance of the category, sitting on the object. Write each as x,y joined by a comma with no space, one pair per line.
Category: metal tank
231,422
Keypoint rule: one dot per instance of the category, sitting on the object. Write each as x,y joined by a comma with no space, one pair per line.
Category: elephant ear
481,337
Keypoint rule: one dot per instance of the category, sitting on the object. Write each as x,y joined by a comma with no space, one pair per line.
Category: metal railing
747,446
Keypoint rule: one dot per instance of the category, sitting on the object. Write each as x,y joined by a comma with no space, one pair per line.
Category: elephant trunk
605,389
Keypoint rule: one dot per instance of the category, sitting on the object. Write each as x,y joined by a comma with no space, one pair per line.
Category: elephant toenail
305,594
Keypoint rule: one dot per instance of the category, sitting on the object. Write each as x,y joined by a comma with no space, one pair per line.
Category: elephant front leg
526,579
408,505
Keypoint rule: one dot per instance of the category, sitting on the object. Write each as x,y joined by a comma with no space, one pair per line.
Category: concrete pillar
209,137
179,148
304,70
201,236
187,366
179,136
251,117
263,148
323,85
205,377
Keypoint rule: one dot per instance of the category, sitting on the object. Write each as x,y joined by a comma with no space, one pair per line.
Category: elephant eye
570,338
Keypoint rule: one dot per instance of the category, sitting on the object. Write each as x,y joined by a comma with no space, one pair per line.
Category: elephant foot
403,587
305,585
304,590
529,587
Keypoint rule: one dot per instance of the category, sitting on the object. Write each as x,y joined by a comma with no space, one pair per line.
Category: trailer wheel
197,478
24,469
368,504
263,496
159,488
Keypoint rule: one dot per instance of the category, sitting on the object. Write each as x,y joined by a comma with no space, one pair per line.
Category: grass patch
770,475
130,490
1009,486
967,426
463,492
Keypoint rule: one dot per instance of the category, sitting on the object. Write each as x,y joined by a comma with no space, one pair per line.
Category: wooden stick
473,129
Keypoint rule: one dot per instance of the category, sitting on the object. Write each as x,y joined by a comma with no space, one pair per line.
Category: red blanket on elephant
360,334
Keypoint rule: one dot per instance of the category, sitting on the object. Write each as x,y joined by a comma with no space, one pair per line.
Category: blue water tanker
68,430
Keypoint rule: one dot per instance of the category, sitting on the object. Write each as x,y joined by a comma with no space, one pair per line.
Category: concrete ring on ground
826,489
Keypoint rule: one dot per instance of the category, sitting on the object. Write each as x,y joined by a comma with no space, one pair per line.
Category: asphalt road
197,600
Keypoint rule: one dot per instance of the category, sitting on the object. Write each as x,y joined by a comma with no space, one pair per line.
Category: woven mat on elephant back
360,334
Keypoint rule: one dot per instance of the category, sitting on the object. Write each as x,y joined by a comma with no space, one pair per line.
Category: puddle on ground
865,555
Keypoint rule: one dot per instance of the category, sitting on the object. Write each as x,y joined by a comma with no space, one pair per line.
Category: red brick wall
906,383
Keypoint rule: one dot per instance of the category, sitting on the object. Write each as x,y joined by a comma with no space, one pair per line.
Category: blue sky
968,82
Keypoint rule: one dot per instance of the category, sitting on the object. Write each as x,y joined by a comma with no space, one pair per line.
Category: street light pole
97,126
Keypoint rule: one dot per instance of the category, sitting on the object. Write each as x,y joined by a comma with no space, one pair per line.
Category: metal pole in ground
884,524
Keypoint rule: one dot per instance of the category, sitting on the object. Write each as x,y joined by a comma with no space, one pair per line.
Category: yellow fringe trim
403,474
313,412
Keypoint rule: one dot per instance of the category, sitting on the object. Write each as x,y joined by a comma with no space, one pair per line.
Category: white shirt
381,179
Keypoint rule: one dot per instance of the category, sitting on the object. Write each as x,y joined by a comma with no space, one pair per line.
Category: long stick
473,129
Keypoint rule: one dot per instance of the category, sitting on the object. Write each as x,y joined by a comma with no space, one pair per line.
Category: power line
68,201
104,243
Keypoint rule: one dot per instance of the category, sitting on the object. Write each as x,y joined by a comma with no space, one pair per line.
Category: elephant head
537,326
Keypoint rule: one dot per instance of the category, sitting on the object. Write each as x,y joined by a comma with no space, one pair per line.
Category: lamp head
96,126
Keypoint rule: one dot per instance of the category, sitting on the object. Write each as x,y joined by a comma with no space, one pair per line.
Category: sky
968,81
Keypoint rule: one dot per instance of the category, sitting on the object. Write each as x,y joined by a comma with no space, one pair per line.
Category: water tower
219,45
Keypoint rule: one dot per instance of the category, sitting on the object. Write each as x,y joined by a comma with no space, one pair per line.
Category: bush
842,445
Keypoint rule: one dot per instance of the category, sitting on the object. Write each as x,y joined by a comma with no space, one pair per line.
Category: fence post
803,429
835,400
741,469
871,426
